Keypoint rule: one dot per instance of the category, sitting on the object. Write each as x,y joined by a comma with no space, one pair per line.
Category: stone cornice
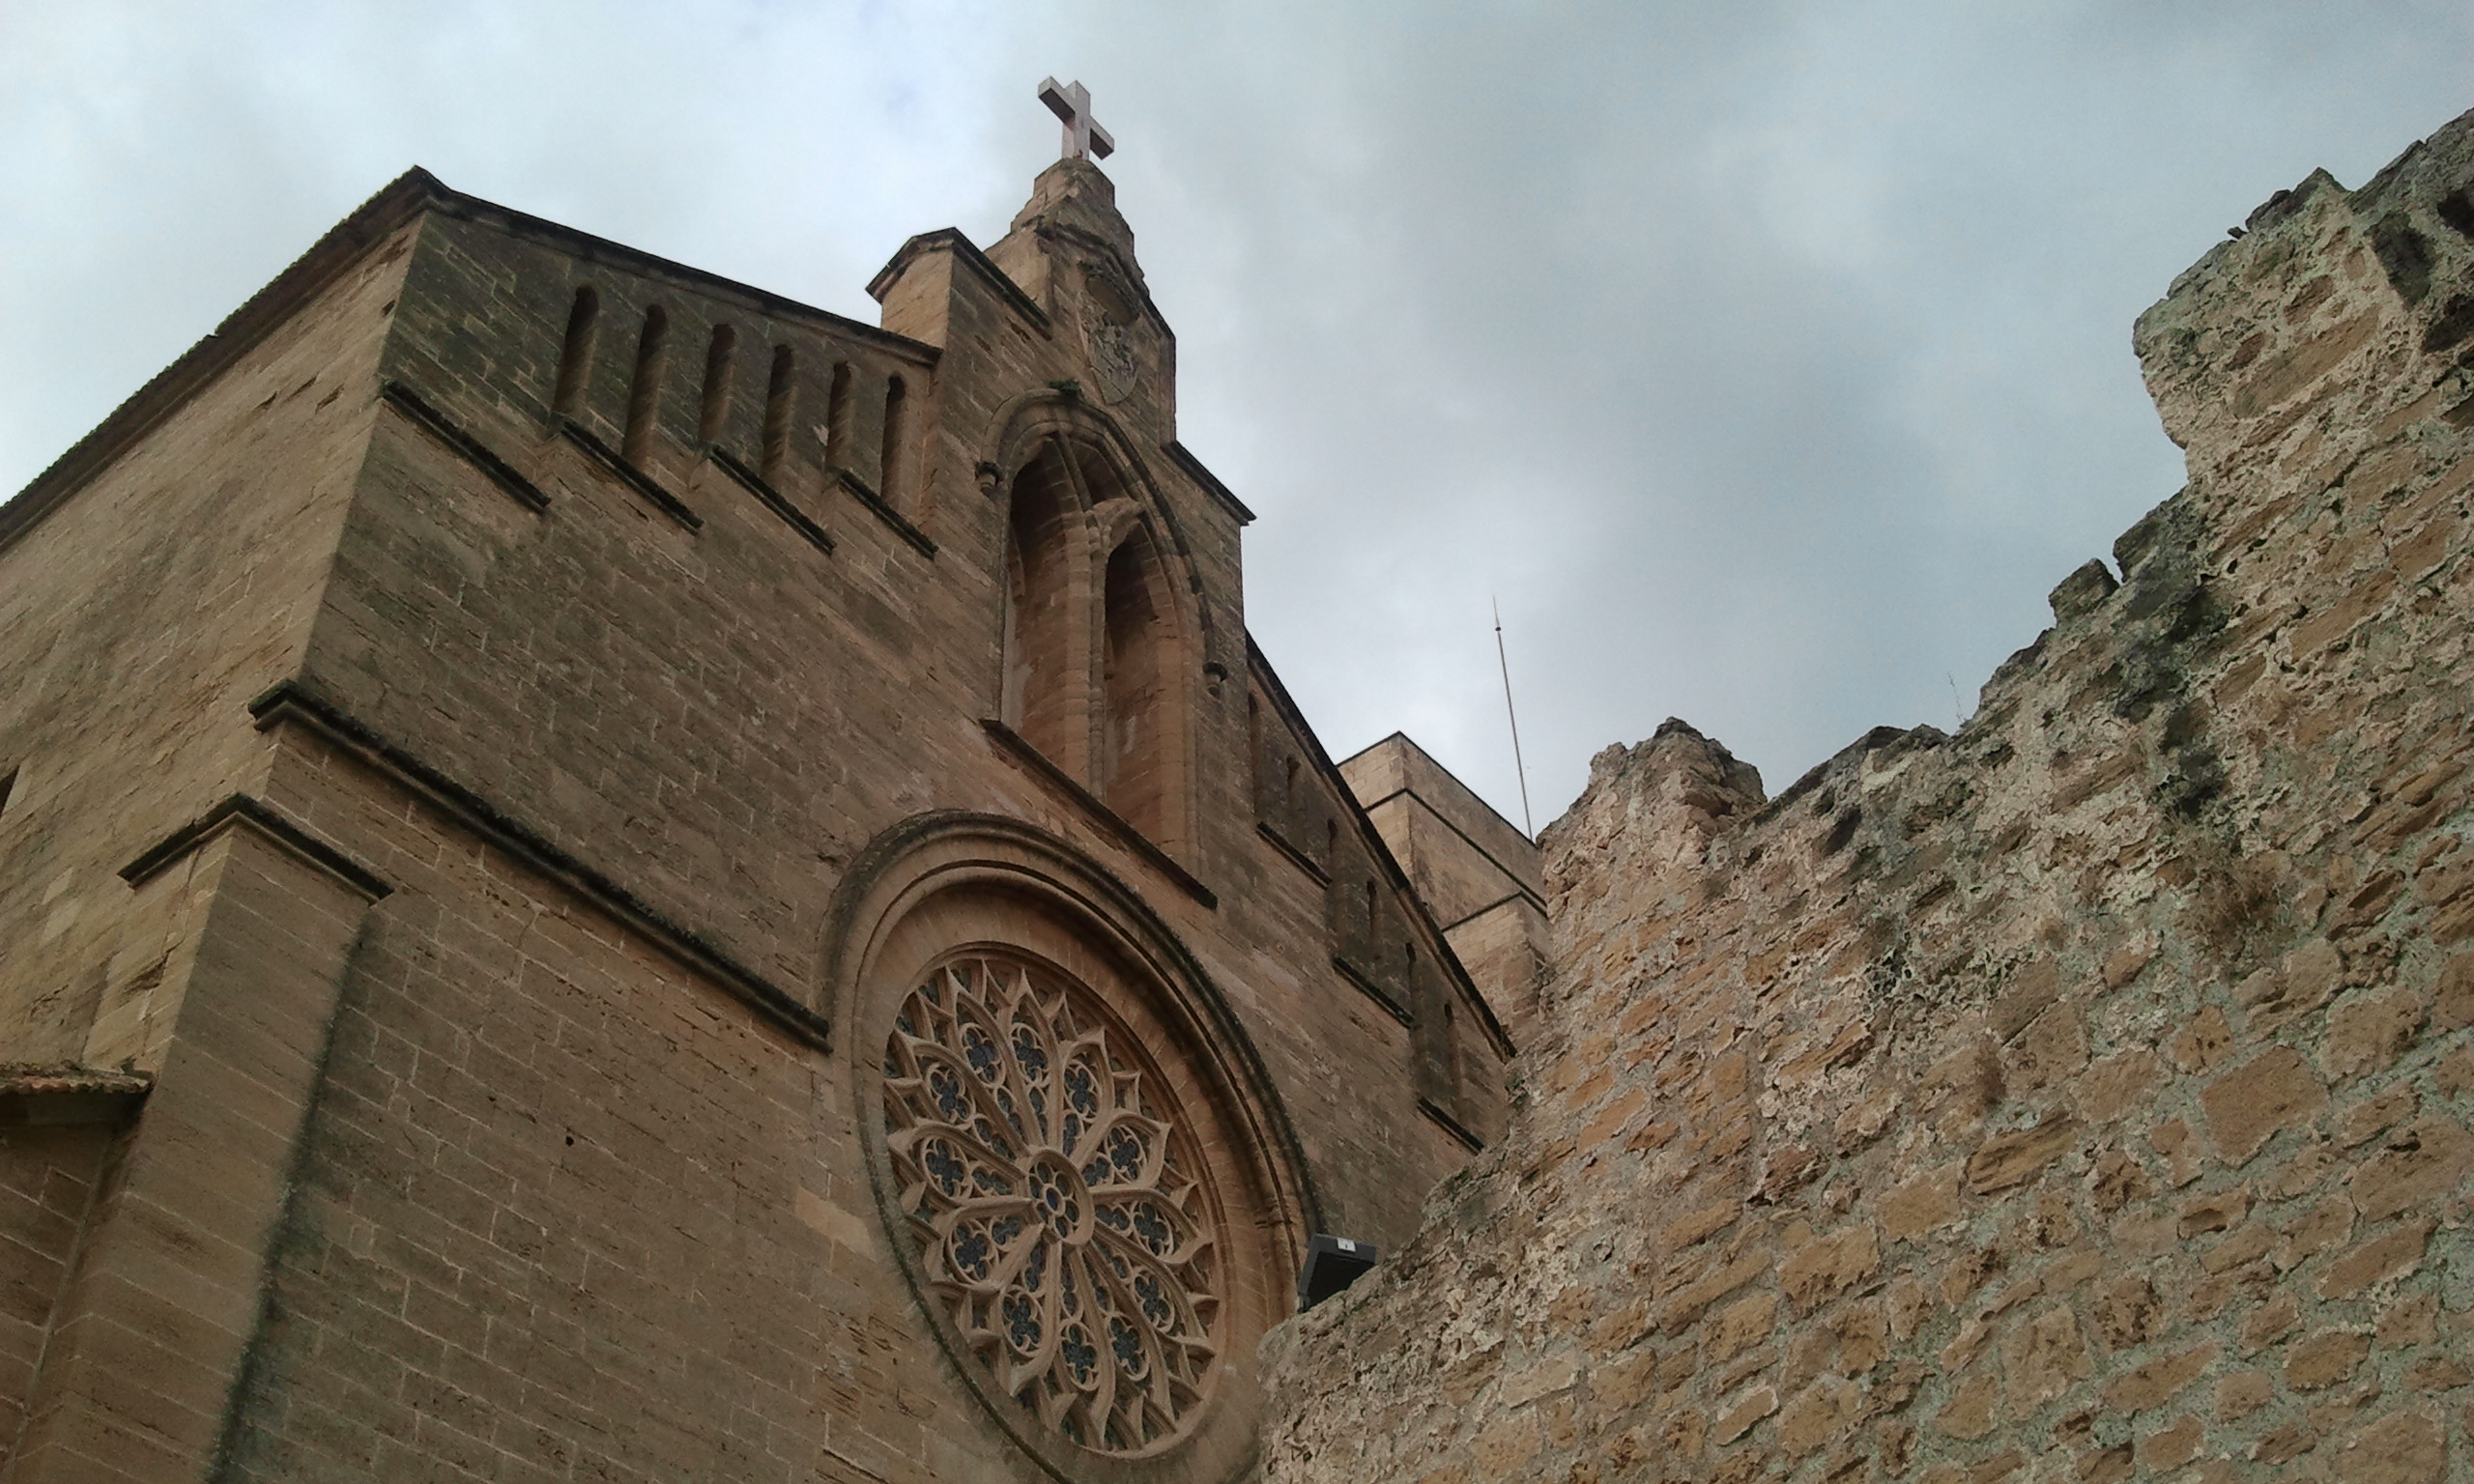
278,827
53,1094
967,252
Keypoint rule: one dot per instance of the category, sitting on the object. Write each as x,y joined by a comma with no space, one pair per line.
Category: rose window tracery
1057,1206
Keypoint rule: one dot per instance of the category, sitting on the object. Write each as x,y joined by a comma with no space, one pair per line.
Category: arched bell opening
1141,721
1100,654
1046,661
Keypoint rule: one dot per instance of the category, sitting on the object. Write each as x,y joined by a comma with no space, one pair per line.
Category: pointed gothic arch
1103,626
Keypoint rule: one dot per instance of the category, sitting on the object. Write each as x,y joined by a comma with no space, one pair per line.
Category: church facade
614,877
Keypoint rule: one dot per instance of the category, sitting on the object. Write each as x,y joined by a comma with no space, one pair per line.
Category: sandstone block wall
48,1179
136,620
723,718
1478,875
468,798
2086,1096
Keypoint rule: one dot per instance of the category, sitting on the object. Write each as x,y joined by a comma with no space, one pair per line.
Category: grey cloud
1769,362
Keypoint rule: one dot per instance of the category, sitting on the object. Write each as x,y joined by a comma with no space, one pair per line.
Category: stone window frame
1106,501
954,881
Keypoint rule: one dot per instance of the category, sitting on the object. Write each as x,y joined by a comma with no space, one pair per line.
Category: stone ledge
294,703
1297,857
36,1095
861,492
774,499
463,444
628,474
269,822
1116,824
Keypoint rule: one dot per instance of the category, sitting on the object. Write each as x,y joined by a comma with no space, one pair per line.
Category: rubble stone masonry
2082,1096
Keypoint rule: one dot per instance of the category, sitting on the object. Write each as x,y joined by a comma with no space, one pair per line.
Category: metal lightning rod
1527,827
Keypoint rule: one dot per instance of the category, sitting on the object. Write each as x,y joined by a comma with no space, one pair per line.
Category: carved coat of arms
1113,360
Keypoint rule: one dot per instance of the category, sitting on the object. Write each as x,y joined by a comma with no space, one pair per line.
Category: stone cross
1083,135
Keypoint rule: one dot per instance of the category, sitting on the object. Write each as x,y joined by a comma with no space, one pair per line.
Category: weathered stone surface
2126,1312
2243,1393
1972,1408
2096,1071
2254,1102
2147,1386
1817,1417
1739,1326
2376,1261
1929,1201
2324,1360
2429,1159
1828,1267
2042,1357
2087,1091
2407,1447
1735,1420
2014,1158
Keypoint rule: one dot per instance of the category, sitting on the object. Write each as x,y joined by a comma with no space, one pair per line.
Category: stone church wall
2085,1096
562,1205
47,1180
476,785
723,717
181,582
181,579
566,1212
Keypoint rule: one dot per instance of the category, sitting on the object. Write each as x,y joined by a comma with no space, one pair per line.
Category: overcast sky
1770,362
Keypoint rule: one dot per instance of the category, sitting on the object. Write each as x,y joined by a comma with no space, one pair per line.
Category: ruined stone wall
2082,1096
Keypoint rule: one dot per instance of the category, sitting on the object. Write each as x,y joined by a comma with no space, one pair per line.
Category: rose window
1056,1204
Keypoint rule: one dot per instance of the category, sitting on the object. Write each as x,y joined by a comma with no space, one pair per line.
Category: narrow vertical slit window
781,390
1434,1037
1254,752
713,417
643,396
575,353
891,456
1447,1055
837,419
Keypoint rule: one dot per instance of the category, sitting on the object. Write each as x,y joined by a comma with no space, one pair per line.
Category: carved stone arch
1105,649
1115,519
1047,411
966,946
1046,671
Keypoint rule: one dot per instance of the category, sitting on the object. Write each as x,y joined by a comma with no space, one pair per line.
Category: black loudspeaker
1331,1264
